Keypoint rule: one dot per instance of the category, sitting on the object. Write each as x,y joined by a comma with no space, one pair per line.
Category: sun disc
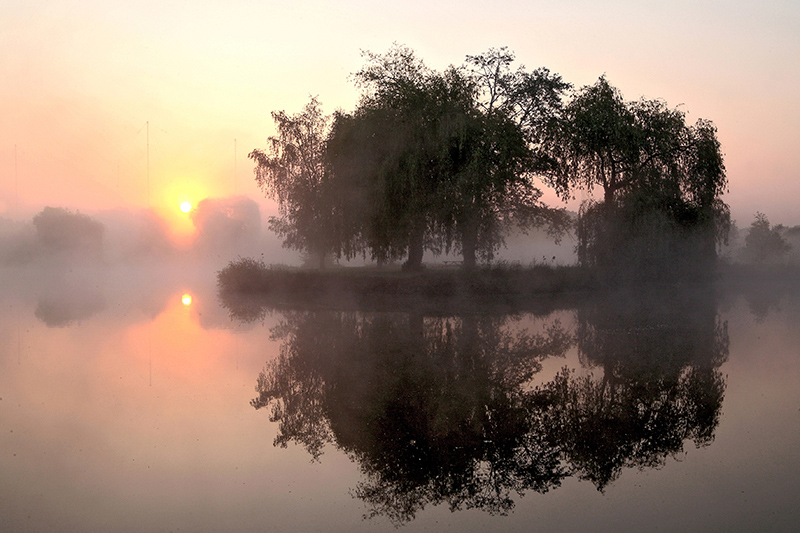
186,207
186,299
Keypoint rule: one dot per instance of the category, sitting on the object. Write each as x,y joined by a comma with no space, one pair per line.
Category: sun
186,207
186,299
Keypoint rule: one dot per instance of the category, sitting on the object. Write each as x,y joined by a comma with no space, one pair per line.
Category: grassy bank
248,282
433,289
248,275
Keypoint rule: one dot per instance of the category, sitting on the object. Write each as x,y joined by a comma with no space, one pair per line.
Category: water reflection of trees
660,383
444,410
62,308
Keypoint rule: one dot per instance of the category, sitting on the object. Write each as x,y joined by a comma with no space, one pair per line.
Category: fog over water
126,408
542,274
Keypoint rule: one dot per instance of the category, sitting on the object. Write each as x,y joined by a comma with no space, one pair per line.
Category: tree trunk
608,199
416,247
469,243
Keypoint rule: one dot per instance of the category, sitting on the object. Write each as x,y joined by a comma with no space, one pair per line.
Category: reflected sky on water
126,407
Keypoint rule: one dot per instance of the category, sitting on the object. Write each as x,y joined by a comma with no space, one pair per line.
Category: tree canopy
446,158
294,171
449,161
59,229
661,180
764,242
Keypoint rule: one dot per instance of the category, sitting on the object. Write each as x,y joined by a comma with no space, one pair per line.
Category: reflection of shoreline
250,293
61,310
253,305
253,290
542,289
442,410
63,296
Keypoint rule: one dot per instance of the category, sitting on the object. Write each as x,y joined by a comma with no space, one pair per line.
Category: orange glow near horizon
183,194
104,106
179,346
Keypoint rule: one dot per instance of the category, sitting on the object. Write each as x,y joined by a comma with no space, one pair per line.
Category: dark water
125,408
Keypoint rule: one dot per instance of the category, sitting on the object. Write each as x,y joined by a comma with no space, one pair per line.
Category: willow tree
661,181
390,139
446,158
380,152
294,171
495,156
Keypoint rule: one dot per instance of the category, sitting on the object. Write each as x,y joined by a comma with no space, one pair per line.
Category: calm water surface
124,407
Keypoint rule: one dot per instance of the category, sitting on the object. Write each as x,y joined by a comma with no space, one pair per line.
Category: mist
126,262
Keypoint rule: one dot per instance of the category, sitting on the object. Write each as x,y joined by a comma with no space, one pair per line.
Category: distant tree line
60,229
765,243
57,234
447,161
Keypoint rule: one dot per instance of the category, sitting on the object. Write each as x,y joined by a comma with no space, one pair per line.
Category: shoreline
250,284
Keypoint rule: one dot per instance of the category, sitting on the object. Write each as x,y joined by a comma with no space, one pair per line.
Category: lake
132,400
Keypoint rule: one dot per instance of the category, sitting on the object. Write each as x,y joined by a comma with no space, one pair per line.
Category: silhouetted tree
661,181
492,154
445,159
764,243
294,171
381,155
59,229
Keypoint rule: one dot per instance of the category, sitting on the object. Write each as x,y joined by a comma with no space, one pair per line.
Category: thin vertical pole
16,184
235,182
148,163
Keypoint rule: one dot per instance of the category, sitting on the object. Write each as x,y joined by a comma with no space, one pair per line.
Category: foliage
444,159
226,221
294,171
59,229
764,243
661,181
447,161
381,156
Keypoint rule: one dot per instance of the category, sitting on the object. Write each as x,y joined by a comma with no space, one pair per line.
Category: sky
128,104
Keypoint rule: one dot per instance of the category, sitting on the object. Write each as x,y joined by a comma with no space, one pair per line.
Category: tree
385,151
294,170
59,229
764,243
661,179
446,158
226,221
496,155
378,157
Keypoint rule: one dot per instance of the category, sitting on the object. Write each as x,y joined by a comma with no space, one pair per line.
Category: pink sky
82,78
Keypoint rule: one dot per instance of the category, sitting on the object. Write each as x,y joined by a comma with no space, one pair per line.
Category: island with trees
449,162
